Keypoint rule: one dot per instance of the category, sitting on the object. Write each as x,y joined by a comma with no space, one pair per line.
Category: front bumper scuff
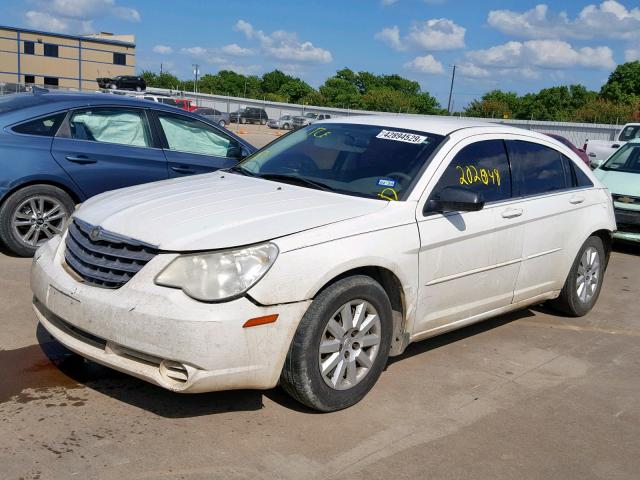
146,330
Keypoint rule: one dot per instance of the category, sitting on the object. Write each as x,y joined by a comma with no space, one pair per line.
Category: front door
192,146
468,265
105,148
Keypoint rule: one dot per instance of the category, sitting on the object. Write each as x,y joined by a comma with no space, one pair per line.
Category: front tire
341,345
222,123
584,283
243,120
286,126
33,215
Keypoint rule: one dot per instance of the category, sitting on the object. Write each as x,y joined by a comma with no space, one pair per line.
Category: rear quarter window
43,127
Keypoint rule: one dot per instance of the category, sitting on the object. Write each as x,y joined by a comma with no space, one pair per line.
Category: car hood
620,183
218,210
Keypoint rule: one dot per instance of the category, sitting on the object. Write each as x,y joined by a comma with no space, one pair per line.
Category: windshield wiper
299,180
241,171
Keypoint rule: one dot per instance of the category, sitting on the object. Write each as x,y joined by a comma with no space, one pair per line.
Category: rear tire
243,120
584,283
351,320
32,215
222,123
263,121
286,126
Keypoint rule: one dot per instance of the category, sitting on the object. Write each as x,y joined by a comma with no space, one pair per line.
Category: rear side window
482,167
536,169
124,126
44,126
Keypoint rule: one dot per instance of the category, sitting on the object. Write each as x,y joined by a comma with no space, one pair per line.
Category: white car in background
600,150
312,261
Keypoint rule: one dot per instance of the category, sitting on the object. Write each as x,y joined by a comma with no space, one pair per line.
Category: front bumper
159,334
628,223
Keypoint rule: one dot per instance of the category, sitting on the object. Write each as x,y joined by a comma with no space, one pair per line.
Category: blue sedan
58,149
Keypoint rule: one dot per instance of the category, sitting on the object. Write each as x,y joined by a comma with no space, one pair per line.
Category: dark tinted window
45,126
51,81
119,59
482,167
629,133
29,48
29,79
50,50
581,178
574,176
537,169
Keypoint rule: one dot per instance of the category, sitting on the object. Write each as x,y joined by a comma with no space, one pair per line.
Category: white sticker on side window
401,136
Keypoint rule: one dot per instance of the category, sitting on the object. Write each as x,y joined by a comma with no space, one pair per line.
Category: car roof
427,123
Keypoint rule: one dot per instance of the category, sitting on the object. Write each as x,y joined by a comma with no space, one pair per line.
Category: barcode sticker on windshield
401,136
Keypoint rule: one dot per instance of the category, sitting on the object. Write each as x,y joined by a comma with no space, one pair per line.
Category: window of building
29,48
50,50
51,81
45,126
537,169
119,59
482,167
29,79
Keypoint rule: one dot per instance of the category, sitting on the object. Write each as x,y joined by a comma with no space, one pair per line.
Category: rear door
549,214
105,148
193,147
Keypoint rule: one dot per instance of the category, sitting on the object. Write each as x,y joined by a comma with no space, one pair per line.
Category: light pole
196,72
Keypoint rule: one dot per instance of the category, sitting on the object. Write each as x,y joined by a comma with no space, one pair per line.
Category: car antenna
39,90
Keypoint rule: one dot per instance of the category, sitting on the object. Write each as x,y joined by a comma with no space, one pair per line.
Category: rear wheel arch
75,196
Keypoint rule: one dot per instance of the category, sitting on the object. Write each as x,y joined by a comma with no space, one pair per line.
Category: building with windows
53,59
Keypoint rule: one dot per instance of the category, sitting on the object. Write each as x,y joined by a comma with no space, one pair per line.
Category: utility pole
453,77
196,72
160,68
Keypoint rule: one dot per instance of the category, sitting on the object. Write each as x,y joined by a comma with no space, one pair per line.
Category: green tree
272,82
338,92
294,90
494,104
162,80
623,84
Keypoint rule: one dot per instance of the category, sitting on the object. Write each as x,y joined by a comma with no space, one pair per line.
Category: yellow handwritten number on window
471,175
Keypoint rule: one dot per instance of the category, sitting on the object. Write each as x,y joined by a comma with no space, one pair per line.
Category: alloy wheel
37,219
588,276
349,344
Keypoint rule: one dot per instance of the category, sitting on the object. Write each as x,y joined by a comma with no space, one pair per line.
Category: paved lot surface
528,395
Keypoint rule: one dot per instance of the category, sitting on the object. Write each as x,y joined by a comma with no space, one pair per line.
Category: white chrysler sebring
315,259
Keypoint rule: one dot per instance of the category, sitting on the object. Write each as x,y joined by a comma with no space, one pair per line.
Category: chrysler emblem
95,233
625,200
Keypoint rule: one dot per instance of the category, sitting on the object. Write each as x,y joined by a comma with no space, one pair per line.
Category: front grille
102,258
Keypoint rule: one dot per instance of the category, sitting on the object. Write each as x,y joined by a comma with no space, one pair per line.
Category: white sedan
316,258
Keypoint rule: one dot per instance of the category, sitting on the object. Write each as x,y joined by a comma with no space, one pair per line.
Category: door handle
182,170
81,159
576,199
512,213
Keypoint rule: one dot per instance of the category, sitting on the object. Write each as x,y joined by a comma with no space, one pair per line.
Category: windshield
629,133
363,160
627,159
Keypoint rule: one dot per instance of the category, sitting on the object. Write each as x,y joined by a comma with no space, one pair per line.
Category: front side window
363,160
124,126
185,134
482,167
626,159
44,126
537,169
629,133
50,50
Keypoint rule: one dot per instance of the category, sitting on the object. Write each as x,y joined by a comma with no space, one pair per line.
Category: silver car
213,115
285,122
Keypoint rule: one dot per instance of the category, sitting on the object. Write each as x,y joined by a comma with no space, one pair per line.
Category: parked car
315,259
308,118
58,149
284,122
161,99
213,115
249,115
599,150
578,151
621,175
186,104
123,82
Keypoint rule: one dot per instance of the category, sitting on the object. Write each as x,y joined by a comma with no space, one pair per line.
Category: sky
521,46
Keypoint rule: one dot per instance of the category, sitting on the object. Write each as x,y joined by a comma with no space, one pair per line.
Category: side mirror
454,199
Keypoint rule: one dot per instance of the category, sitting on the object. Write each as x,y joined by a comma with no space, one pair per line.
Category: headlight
216,276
